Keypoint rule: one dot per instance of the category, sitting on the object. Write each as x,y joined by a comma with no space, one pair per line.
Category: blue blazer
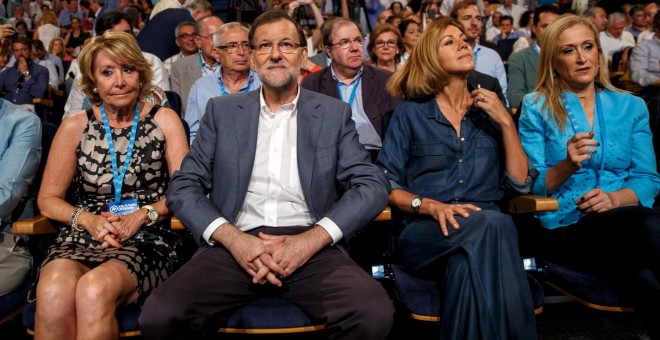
336,175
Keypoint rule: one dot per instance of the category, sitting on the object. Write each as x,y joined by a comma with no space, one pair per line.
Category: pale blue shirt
20,153
206,88
489,62
645,62
366,132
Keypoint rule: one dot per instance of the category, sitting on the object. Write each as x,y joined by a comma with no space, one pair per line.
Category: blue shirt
66,15
58,64
489,62
423,155
206,88
20,152
629,158
367,134
20,91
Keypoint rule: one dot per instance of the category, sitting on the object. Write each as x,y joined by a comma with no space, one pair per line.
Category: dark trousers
486,292
201,296
622,243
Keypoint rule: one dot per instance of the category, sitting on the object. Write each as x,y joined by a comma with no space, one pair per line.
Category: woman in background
385,47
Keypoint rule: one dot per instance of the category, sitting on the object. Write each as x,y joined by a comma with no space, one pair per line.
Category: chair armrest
531,203
42,101
36,225
176,224
385,215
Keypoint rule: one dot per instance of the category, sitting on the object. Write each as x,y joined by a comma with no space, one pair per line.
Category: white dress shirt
274,195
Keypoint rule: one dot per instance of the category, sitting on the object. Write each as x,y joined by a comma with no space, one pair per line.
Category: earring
140,84
95,90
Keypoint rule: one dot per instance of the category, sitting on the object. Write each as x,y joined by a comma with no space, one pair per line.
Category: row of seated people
437,156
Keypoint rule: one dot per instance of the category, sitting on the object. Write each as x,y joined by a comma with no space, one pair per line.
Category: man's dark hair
273,16
524,18
38,45
656,20
461,5
84,3
506,17
326,32
23,40
109,19
634,9
545,9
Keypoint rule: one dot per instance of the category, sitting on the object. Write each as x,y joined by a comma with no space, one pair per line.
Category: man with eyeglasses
260,192
186,71
486,60
185,40
232,52
347,78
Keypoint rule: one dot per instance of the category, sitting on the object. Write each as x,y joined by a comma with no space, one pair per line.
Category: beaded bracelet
74,219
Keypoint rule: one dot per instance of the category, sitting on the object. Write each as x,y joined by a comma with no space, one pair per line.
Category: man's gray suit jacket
185,73
336,175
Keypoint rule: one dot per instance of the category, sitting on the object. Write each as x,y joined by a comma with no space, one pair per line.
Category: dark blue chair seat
12,303
262,316
592,290
423,300
270,315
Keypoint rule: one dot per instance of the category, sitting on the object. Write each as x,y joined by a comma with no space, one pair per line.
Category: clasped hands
111,229
579,149
269,258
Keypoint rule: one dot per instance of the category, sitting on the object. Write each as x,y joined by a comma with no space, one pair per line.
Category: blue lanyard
225,92
350,100
476,57
119,177
536,47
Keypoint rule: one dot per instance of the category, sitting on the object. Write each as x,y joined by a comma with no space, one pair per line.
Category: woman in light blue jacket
592,146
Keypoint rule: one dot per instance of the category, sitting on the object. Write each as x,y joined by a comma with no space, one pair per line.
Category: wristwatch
26,74
152,214
415,204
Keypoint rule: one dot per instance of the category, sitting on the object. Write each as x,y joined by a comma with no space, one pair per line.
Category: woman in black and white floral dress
113,250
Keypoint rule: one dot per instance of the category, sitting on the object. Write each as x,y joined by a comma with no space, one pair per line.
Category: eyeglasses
345,43
209,37
186,35
282,46
382,43
233,47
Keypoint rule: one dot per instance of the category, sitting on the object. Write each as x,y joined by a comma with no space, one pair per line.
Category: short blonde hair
120,47
52,43
547,82
421,75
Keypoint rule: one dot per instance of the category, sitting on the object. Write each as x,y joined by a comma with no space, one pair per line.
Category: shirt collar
334,75
290,107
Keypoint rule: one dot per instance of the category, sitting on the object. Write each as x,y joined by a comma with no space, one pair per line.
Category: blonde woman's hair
49,18
122,48
421,75
548,83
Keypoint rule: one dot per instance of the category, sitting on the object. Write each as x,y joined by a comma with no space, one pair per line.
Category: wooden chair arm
385,215
36,225
40,224
531,203
43,101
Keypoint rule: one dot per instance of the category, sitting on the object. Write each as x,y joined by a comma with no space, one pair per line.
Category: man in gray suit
186,71
273,161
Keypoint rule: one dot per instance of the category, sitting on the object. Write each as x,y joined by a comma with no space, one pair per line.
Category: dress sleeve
393,157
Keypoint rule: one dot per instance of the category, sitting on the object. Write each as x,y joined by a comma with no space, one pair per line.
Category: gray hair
185,23
616,15
201,5
591,11
224,28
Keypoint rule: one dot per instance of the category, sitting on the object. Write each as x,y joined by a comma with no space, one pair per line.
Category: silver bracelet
74,219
